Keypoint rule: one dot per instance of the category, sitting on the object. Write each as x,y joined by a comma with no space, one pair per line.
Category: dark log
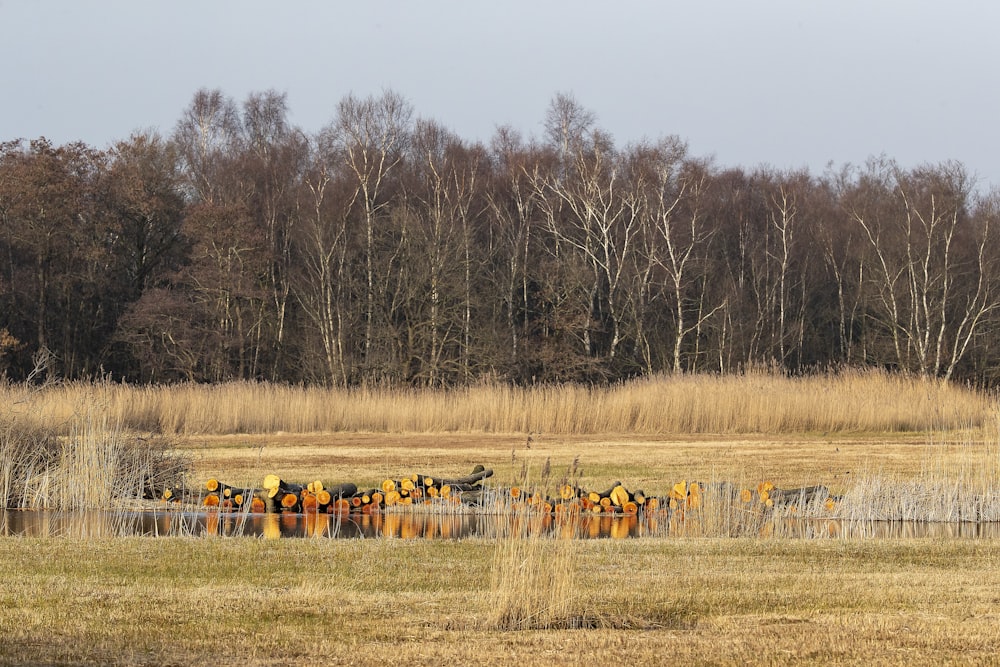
803,495
285,488
345,490
476,476
272,504
474,496
461,487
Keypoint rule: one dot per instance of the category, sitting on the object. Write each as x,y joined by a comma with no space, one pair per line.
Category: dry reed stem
755,402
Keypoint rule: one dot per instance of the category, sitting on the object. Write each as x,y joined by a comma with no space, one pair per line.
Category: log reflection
413,525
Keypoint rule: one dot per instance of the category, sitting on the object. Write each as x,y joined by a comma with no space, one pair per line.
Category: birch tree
371,134
932,265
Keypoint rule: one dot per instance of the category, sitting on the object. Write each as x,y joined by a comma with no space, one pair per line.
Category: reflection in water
417,525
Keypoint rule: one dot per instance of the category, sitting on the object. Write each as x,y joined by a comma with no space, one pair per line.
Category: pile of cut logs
276,495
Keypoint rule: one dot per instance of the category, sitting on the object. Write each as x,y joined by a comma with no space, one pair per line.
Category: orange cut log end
310,503
342,505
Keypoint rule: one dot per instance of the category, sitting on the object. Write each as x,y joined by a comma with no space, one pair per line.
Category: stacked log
683,497
276,496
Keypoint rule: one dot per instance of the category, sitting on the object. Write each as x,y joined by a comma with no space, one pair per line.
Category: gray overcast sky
789,83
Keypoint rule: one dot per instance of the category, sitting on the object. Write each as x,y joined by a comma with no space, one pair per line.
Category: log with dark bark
804,495
476,476
345,490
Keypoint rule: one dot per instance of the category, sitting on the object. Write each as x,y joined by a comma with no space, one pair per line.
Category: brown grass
697,601
755,402
532,578
889,445
93,464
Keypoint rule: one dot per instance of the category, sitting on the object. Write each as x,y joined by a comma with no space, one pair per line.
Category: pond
420,525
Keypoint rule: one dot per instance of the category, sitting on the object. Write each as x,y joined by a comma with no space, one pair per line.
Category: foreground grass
251,602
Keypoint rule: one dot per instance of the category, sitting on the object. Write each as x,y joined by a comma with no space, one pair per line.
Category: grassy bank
689,404
185,601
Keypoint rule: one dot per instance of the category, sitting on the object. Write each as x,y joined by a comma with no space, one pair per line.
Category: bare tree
567,124
144,198
370,135
273,159
587,211
322,240
785,195
206,136
682,232
931,267
512,204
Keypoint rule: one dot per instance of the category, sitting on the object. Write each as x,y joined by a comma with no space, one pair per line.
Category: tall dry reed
958,482
82,460
532,576
754,402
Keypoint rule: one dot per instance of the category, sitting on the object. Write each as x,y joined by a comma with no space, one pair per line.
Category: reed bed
754,402
85,461
958,482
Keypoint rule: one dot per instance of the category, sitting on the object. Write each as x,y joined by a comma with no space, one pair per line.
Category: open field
706,601
649,463
182,600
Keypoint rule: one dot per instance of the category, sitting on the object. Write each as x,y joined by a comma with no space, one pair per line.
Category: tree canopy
385,249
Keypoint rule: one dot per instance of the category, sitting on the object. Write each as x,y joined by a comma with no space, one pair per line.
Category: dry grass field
183,601
646,462
521,599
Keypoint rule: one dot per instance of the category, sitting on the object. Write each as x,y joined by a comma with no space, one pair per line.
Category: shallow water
417,525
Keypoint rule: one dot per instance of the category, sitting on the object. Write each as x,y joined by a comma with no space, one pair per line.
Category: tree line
385,249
